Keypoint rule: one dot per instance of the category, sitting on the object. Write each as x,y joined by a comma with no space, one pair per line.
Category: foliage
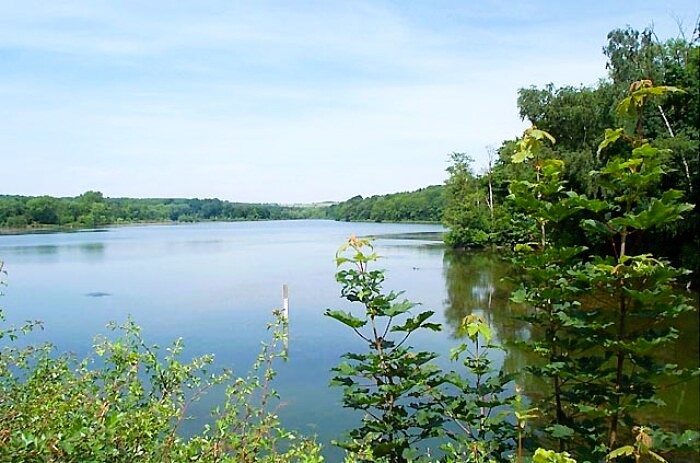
577,117
423,205
92,209
550,456
597,355
478,402
406,400
467,212
641,448
126,404
390,382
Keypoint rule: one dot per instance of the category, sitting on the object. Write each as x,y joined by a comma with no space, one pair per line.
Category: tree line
423,205
92,209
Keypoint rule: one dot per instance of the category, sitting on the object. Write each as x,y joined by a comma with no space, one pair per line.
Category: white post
285,301
285,315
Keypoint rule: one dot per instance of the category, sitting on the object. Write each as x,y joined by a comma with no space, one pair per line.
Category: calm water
215,285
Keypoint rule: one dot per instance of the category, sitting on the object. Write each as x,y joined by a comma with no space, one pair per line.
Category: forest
92,209
477,210
423,205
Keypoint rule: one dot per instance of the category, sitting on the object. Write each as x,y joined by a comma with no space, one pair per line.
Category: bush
127,401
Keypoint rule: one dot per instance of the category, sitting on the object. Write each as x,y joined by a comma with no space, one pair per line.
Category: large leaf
345,318
419,321
559,431
550,456
399,308
626,450
611,136
596,227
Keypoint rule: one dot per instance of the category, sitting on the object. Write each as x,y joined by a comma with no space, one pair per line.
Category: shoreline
47,229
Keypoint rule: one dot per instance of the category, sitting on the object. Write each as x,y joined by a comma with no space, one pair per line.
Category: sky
285,102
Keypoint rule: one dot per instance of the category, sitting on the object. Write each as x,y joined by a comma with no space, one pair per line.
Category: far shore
39,229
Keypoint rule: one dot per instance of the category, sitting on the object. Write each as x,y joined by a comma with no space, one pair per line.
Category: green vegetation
408,401
598,297
92,209
577,118
126,402
597,353
424,205
391,383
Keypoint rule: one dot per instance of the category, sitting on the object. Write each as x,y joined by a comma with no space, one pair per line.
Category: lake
215,285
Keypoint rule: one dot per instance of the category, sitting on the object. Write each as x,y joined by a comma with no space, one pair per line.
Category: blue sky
287,102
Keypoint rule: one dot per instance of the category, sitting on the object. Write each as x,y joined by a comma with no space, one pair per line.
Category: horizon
173,198
276,103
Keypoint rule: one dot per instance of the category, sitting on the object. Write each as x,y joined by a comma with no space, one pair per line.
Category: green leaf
559,431
552,167
611,136
414,323
550,456
626,450
345,318
538,134
657,457
399,308
519,296
521,156
596,227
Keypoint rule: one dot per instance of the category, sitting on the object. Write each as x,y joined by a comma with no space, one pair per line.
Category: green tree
43,210
467,213
599,355
390,382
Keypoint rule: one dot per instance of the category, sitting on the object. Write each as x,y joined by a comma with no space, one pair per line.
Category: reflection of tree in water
92,248
475,284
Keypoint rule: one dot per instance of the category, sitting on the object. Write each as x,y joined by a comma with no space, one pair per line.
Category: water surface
215,285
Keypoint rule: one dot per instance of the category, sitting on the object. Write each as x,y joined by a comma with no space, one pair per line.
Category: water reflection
475,283
42,250
92,248
89,250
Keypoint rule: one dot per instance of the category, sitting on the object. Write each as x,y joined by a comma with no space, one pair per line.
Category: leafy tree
390,382
467,212
598,356
477,402
42,210
577,117
423,205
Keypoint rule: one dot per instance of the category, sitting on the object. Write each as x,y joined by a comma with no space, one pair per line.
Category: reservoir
215,286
